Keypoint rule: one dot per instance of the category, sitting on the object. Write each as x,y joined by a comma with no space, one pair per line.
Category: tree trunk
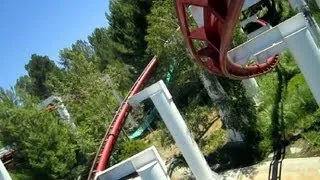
220,99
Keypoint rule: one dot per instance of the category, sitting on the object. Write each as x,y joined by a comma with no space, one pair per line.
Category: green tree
278,11
79,48
314,9
24,83
104,46
38,69
127,28
89,97
44,144
300,106
85,93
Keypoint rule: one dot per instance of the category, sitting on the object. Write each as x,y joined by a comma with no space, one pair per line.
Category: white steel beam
147,164
302,6
197,14
307,56
297,4
249,3
4,175
250,19
293,34
62,110
252,89
152,171
262,45
47,101
168,111
259,31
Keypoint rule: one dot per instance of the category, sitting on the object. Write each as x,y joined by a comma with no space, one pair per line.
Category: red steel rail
220,18
104,152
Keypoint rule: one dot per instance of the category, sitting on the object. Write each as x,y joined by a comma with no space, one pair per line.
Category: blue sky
43,27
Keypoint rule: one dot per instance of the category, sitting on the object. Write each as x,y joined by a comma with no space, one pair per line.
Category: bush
130,148
216,140
287,105
313,137
299,105
199,119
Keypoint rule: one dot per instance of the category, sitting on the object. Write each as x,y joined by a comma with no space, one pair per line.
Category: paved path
288,169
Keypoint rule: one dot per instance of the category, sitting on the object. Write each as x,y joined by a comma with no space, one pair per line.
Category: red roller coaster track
220,18
104,152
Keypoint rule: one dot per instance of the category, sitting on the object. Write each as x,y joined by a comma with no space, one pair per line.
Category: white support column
307,56
152,171
252,89
268,43
64,114
318,3
4,175
297,4
251,19
61,108
302,6
168,111
251,85
249,3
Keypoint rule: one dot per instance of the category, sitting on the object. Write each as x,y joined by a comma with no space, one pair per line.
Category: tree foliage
38,70
127,21
79,48
103,47
43,143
